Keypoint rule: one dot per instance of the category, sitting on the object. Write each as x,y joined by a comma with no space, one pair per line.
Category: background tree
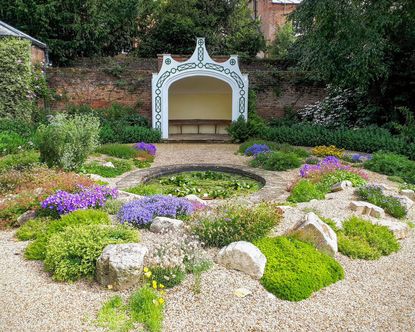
74,28
366,45
284,40
171,27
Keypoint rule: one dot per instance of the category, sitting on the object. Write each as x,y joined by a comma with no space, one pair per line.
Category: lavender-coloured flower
142,211
147,147
257,149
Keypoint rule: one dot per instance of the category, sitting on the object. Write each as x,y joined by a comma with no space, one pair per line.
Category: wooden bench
198,123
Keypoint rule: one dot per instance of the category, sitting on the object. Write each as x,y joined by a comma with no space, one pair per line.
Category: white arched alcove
200,64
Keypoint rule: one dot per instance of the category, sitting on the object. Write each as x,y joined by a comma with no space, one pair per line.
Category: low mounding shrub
232,223
19,161
120,167
169,276
305,191
32,229
142,212
359,238
118,150
10,142
72,253
241,130
328,180
256,149
374,194
67,141
132,134
64,202
324,151
147,147
392,164
276,161
295,269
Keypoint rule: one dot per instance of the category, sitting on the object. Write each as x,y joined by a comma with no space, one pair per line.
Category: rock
126,197
164,224
313,229
25,217
408,193
38,191
242,292
243,256
406,202
284,208
383,186
341,186
120,265
365,208
399,229
96,177
196,199
108,164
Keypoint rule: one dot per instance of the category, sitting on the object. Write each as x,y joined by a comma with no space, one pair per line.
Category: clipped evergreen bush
276,161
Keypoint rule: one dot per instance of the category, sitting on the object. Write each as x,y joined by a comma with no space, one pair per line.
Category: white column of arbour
199,64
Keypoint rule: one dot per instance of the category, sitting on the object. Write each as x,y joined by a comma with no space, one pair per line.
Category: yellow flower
147,274
161,285
154,284
146,269
162,292
161,300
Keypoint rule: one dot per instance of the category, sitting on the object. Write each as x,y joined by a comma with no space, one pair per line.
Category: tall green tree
171,26
367,45
75,28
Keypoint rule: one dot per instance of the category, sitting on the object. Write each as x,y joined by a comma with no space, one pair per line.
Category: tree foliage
360,44
172,26
75,27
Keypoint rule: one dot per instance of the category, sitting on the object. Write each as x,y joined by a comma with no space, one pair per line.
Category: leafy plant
276,161
113,316
118,150
232,223
168,276
295,269
11,142
305,191
19,161
328,180
120,167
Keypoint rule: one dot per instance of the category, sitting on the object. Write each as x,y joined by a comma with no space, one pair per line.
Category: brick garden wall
127,80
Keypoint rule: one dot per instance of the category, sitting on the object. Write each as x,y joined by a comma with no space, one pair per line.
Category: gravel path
374,296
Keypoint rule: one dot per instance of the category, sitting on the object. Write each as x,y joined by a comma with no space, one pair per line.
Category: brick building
272,13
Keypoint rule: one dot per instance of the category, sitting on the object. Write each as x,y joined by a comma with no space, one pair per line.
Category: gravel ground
374,296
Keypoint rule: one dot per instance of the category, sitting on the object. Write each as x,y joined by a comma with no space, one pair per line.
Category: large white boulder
399,229
164,224
120,266
312,229
340,186
196,199
366,208
243,256
408,193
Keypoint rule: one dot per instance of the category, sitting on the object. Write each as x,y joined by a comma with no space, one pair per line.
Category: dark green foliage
168,277
305,191
392,164
72,253
241,130
133,134
375,195
359,238
10,142
236,223
24,128
19,161
370,139
295,269
118,150
121,167
276,161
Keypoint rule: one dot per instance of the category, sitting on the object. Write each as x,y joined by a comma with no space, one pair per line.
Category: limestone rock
366,208
108,164
408,193
25,217
243,256
127,197
406,202
341,186
399,229
164,224
313,229
120,265
197,199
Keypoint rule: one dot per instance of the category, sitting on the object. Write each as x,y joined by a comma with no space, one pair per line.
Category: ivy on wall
16,90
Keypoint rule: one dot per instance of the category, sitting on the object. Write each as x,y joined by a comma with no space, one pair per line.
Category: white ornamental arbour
199,64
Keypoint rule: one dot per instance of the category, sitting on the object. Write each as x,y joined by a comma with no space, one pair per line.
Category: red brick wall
127,81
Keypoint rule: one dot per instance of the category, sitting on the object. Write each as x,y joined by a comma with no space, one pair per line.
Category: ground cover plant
273,146
118,150
359,238
146,147
295,269
206,184
141,212
120,167
305,191
276,161
230,223
374,194
11,142
25,159
324,151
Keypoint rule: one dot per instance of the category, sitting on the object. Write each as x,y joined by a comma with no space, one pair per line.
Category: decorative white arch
199,64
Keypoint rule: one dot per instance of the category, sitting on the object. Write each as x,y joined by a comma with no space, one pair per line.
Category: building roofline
17,33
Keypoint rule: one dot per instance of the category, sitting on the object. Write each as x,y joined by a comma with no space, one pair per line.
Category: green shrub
276,161
67,141
31,229
241,130
168,277
18,161
395,178
132,134
295,269
41,235
10,143
72,253
392,164
329,179
305,191
144,308
118,150
24,128
113,316
112,206
374,195
359,238
232,223
120,167
146,189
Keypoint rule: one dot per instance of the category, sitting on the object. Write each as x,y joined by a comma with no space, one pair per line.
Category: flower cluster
142,211
156,286
323,151
328,165
359,158
257,149
64,202
147,147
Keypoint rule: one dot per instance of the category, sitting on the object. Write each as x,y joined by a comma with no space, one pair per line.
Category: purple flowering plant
147,147
142,211
328,165
256,149
63,202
